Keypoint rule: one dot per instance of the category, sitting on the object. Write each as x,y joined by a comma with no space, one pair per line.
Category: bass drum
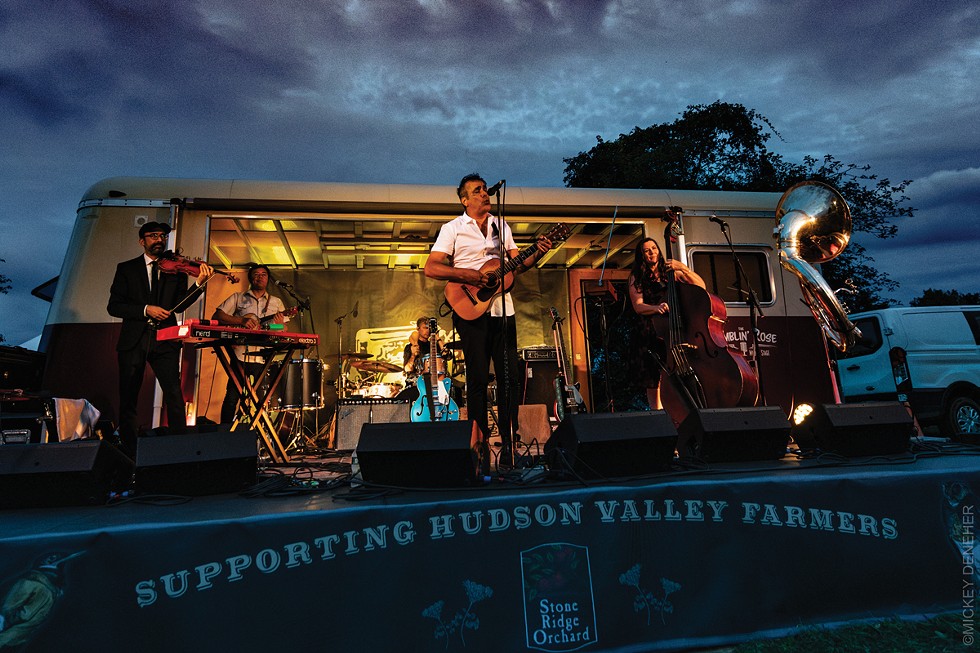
302,387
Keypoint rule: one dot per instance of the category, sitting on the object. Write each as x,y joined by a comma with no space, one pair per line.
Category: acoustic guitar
470,301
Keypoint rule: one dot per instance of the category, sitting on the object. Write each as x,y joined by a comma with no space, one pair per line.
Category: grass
937,635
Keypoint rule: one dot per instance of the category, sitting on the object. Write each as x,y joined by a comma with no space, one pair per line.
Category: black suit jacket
130,293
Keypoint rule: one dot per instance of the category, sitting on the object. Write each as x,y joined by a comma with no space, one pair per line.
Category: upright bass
700,371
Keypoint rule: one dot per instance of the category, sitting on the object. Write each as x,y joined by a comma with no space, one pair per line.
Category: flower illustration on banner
32,598
551,568
959,512
645,599
463,619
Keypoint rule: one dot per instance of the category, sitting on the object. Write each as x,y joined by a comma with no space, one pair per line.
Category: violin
172,263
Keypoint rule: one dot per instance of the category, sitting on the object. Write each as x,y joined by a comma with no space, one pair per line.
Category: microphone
282,284
356,304
718,221
496,187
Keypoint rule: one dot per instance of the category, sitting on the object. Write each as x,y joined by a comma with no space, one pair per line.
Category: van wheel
963,416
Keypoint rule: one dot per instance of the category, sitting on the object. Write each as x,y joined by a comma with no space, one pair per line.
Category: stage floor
682,559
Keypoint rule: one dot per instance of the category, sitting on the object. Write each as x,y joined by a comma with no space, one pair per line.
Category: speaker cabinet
860,429
734,434
351,416
196,464
419,454
76,473
539,381
608,445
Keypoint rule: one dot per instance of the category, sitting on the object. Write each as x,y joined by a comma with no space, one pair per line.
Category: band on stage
468,367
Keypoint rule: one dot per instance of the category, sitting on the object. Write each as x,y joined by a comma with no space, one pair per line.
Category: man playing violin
250,309
144,299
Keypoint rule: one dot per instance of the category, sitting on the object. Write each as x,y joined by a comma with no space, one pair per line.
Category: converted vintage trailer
357,251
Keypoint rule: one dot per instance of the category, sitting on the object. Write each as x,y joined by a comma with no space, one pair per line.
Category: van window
933,329
973,318
870,340
718,271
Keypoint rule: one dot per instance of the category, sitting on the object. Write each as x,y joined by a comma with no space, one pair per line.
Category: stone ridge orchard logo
559,607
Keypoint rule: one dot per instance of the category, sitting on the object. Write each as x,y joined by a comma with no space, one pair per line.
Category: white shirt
245,303
462,239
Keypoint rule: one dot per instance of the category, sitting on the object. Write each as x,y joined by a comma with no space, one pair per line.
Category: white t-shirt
462,239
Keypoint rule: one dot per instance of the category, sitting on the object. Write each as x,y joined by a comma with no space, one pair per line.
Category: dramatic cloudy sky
420,91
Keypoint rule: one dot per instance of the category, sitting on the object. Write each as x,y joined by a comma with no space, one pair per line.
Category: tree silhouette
722,146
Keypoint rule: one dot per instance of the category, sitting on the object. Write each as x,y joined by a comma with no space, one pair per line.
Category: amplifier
370,401
351,415
539,354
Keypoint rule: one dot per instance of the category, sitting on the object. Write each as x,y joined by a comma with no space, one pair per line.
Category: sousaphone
814,226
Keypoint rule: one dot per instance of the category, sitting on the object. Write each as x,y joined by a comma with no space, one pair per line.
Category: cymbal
356,354
376,366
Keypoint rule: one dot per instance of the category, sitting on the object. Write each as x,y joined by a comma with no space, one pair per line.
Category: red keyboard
194,331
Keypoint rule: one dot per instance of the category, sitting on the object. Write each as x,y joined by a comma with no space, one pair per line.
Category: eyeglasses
154,236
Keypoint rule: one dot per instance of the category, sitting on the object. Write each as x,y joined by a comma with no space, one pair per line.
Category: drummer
418,348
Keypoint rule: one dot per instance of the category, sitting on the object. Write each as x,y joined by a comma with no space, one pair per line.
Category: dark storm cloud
419,91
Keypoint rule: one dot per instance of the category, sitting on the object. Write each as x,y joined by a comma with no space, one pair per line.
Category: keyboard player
250,309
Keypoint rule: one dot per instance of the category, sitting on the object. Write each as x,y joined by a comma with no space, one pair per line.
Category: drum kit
371,379
367,379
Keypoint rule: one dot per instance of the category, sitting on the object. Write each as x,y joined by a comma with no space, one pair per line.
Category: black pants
230,403
164,359
487,339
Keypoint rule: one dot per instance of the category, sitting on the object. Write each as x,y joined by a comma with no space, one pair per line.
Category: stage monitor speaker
860,429
539,382
352,416
419,454
196,464
717,435
609,445
77,473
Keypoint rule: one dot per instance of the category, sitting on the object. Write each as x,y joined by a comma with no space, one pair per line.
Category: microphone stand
305,305
603,327
342,391
507,395
755,309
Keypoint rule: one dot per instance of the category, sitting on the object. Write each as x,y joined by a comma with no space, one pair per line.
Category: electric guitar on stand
470,302
434,404
568,399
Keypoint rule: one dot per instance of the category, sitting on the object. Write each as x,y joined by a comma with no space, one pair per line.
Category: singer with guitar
252,309
144,299
467,254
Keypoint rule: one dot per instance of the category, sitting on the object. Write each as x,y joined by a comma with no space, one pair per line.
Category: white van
927,355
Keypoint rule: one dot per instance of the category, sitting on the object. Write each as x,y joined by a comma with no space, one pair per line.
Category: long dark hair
640,273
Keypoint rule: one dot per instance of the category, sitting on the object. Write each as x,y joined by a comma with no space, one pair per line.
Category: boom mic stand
342,391
755,309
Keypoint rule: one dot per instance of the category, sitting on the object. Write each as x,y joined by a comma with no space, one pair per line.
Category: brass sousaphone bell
814,226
